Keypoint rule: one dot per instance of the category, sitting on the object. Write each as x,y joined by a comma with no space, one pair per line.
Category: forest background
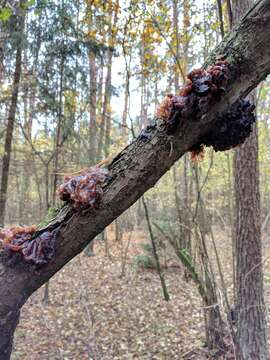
91,76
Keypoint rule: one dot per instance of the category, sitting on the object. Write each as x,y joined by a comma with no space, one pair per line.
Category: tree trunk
105,127
143,116
220,16
213,320
126,101
106,113
105,107
186,234
93,98
30,92
177,45
10,320
93,106
2,53
57,140
89,250
251,322
11,300
137,168
11,120
231,216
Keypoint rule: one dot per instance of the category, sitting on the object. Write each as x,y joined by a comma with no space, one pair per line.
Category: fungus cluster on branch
203,88
38,250
195,98
84,189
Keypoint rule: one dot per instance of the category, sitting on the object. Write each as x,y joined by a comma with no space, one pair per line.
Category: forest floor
95,313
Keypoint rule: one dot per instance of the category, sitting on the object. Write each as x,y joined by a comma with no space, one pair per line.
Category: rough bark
139,166
251,322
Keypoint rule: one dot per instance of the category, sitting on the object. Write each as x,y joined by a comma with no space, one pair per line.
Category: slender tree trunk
155,252
30,90
229,12
46,295
231,214
176,49
186,235
89,250
126,100
107,95
220,15
251,321
100,86
178,208
106,113
105,127
143,120
176,41
93,105
11,121
28,108
38,185
93,99
186,200
2,53
58,130
213,319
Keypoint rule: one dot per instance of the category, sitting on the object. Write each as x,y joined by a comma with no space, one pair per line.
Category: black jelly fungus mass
203,88
232,127
195,97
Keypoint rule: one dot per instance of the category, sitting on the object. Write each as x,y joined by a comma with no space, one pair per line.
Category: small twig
161,275
102,162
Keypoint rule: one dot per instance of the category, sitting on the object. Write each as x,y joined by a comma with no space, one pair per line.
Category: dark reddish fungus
195,97
38,250
7,235
85,189
203,88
